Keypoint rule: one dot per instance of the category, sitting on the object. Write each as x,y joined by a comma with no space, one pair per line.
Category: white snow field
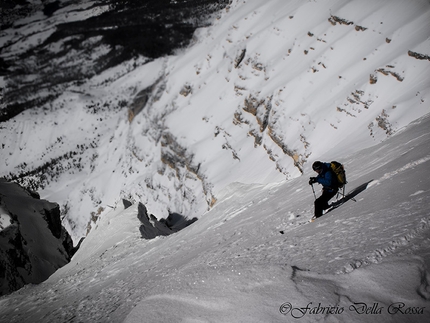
319,80
267,88
365,260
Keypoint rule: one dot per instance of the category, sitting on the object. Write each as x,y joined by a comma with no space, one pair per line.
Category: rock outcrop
33,242
152,228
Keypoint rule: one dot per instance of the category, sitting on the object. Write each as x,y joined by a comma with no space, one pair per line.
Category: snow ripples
400,170
379,254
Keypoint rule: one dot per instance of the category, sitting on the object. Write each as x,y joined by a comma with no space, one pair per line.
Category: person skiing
329,182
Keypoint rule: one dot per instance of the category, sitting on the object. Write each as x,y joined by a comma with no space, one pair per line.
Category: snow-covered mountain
224,130
366,260
56,56
265,89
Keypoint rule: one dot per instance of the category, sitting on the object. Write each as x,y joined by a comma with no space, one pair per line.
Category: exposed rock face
152,228
33,243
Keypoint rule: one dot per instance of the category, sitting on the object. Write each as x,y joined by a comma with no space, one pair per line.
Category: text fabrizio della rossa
398,308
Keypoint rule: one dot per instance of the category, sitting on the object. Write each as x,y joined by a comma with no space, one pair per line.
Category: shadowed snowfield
228,132
365,259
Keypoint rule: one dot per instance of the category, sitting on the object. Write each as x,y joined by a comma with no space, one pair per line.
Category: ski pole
346,197
314,191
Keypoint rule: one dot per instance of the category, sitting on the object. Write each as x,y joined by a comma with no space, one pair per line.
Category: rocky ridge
33,242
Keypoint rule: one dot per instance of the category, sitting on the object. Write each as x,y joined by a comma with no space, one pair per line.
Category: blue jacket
326,178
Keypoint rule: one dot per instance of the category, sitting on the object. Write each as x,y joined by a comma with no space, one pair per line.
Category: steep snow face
267,88
366,259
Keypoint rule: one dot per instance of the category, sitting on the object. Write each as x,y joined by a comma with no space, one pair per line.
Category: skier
330,186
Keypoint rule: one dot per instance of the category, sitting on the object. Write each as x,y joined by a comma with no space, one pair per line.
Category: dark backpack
339,171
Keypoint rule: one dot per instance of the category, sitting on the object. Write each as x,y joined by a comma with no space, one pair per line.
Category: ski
335,205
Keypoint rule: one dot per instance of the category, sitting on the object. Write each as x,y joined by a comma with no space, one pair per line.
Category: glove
312,180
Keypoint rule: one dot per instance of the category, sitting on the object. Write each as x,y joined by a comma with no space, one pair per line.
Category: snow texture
263,91
365,259
228,135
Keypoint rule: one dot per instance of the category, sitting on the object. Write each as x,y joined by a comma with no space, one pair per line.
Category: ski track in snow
244,268
306,74
233,265
401,169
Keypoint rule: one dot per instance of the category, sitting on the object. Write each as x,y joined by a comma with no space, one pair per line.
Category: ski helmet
317,166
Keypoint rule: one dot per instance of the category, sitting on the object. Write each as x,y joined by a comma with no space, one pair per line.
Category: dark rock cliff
151,227
33,243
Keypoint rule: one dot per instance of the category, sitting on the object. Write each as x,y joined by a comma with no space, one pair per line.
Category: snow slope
268,88
366,260
262,93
